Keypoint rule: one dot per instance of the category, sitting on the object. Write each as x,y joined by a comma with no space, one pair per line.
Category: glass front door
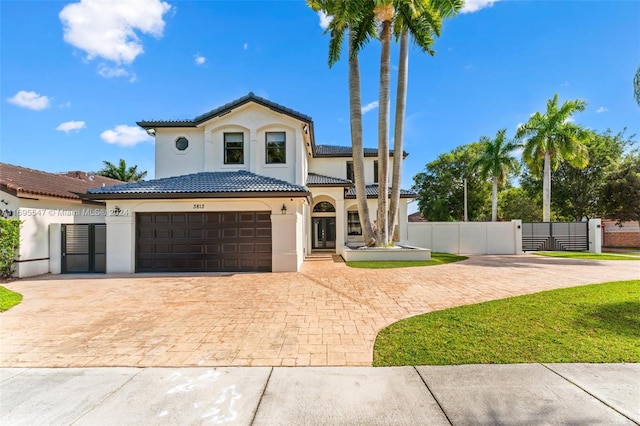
324,233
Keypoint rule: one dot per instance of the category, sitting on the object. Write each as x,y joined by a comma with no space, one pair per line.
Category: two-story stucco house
243,187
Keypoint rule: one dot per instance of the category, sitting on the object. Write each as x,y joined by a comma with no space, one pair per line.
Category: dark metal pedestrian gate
555,236
84,248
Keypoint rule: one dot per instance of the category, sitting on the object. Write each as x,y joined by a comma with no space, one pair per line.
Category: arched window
324,207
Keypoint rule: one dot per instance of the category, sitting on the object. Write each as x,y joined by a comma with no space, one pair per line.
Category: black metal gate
555,236
84,248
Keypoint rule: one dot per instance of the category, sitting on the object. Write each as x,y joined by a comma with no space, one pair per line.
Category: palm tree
422,26
496,162
420,18
122,172
551,138
358,20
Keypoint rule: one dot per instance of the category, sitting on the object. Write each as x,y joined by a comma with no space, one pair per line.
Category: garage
203,242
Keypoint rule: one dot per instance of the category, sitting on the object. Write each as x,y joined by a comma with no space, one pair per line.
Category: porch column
341,228
120,243
284,242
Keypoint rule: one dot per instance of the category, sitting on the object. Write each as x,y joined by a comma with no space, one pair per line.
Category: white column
121,239
55,248
341,228
517,229
284,241
595,236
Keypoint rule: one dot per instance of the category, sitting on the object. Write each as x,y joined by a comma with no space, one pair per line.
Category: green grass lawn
594,324
436,259
589,256
8,299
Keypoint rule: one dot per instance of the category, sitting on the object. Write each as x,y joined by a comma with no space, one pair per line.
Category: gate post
595,236
517,227
55,248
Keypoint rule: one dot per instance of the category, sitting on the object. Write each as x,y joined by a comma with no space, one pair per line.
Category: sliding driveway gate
555,236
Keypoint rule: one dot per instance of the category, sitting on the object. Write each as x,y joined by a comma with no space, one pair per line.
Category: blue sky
76,76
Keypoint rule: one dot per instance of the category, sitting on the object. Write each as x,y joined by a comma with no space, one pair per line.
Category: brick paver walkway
328,314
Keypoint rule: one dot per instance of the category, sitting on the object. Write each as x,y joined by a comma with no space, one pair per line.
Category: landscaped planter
351,254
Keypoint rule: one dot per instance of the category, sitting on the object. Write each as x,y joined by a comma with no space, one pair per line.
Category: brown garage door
203,242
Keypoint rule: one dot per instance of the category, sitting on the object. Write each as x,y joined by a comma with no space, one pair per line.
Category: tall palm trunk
398,134
494,200
355,115
383,134
546,188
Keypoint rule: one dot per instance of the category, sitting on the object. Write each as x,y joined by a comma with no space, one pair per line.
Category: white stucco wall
206,145
172,162
37,215
337,167
467,237
285,239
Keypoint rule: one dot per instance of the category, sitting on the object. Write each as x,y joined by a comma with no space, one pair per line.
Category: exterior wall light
283,209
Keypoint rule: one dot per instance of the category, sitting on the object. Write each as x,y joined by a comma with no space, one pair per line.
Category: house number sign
198,206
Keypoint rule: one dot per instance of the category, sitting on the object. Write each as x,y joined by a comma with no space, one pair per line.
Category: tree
497,163
422,19
122,172
577,192
621,192
440,186
551,138
516,203
358,20
422,27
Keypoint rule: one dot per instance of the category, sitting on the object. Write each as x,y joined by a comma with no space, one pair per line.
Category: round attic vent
182,144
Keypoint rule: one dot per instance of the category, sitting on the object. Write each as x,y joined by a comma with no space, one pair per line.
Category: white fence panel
467,237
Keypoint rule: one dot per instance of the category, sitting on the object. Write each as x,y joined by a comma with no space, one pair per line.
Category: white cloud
325,19
370,106
471,6
69,126
200,59
31,100
110,29
65,105
245,46
601,110
124,135
111,72
570,120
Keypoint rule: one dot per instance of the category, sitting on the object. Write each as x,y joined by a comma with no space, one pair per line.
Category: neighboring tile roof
21,181
345,151
314,179
416,217
231,184
372,192
251,97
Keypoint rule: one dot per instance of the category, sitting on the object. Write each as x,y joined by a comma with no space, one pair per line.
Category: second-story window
350,171
276,148
375,171
233,148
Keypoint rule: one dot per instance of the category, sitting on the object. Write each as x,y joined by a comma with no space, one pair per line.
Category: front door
324,233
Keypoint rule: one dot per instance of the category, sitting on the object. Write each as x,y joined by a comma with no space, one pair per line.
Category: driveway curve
327,314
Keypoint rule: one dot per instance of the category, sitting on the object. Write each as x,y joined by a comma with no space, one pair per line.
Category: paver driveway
328,314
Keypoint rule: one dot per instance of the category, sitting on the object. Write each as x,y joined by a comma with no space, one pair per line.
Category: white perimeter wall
39,251
467,237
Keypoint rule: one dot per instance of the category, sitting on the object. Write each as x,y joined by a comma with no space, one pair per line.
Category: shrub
9,243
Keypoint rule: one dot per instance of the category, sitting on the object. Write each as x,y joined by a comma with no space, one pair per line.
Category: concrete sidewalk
580,394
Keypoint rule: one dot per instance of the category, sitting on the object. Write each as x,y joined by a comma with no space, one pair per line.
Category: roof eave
185,195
